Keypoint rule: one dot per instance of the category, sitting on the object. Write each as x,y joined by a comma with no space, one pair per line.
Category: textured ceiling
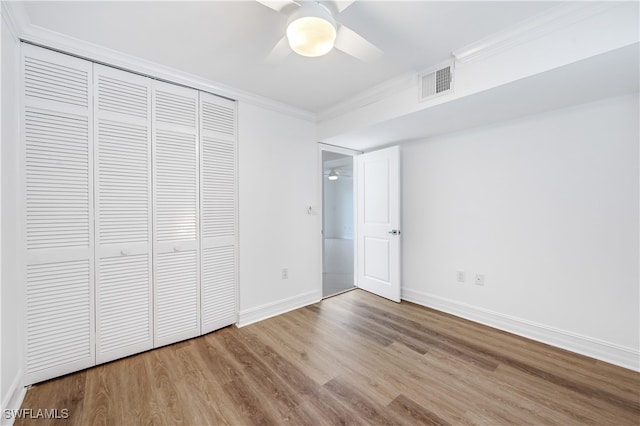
227,42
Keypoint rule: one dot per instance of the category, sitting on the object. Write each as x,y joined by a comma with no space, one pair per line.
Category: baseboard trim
594,348
268,310
13,400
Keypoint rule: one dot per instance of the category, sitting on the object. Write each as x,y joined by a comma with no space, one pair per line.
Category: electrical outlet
479,279
460,276
285,273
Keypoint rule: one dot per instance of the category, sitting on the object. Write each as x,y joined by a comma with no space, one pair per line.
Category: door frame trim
320,192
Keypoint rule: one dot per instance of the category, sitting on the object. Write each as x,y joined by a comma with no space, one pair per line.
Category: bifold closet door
57,182
176,206
124,298
218,211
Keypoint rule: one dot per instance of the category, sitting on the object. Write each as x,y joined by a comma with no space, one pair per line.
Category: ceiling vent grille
436,82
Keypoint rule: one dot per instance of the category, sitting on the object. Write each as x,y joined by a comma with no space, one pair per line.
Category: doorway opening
337,223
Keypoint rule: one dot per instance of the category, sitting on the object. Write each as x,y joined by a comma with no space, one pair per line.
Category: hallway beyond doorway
338,273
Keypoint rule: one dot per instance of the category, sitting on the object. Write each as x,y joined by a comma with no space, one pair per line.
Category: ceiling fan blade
352,43
343,4
278,5
280,51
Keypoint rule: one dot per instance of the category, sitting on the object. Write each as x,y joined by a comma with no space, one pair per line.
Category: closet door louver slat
218,211
57,129
176,213
124,307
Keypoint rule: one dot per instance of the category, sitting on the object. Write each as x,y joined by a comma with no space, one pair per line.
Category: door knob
394,232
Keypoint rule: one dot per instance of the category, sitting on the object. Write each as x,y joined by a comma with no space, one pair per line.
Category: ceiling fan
312,31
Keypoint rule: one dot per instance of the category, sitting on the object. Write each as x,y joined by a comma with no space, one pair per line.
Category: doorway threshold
339,292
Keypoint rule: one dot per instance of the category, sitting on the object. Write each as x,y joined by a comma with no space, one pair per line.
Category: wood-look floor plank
305,336
205,406
458,391
406,331
412,413
359,402
216,359
261,378
325,409
164,376
556,377
368,353
283,368
314,365
50,395
340,315
249,404
99,406
354,359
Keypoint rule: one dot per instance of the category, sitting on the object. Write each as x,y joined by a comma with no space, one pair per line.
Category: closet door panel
176,178
218,211
176,213
176,295
124,308
57,182
218,287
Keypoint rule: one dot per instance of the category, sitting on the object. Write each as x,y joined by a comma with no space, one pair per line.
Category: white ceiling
572,84
227,41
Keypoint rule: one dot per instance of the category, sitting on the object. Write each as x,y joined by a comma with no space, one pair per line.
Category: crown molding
96,53
371,95
554,19
15,16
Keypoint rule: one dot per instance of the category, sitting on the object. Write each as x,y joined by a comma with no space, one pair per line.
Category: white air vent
436,81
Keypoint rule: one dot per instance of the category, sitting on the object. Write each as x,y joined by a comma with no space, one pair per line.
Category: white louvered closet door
58,209
124,297
175,229
218,211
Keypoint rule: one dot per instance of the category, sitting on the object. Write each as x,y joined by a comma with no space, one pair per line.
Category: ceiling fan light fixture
311,31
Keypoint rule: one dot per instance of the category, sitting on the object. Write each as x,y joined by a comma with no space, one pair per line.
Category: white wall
278,181
547,208
10,291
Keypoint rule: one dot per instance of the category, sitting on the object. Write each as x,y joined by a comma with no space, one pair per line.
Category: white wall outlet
479,279
460,276
285,273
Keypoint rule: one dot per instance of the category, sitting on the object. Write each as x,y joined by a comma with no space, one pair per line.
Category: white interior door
378,222
218,211
122,113
57,144
176,207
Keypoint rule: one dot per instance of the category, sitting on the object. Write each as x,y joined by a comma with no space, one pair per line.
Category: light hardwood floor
351,359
